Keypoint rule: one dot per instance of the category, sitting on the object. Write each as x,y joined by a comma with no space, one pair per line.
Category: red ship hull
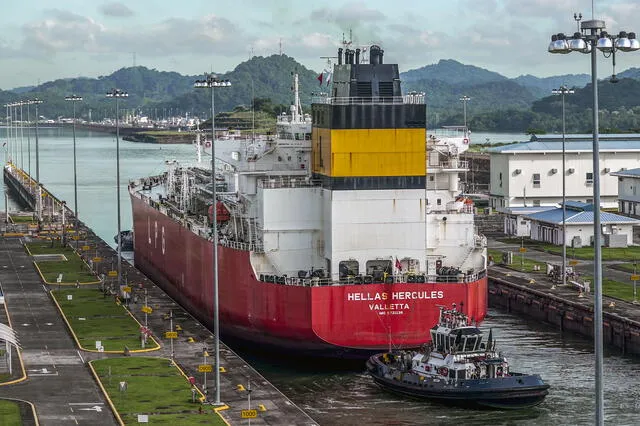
336,321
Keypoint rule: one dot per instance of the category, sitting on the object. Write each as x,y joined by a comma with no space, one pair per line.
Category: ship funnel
380,56
340,56
374,55
357,56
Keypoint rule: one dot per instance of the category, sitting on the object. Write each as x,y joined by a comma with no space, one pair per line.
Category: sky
43,40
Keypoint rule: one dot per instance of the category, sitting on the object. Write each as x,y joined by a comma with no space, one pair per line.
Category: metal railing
287,182
364,280
369,100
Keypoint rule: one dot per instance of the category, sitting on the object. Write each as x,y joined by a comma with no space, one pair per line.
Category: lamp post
117,94
21,103
212,82
73,99
37,102
563,90
590,38
7,133
464,100
29,103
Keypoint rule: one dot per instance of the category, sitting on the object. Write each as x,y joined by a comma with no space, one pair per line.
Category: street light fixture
117,94
212,82
563,90
73,99
592,38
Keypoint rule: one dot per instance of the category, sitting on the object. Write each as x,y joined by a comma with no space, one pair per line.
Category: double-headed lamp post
73,99
37,102
212,82
117,94
589,39
563,90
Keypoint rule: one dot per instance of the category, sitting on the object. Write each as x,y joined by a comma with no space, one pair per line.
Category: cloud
64,31
116,9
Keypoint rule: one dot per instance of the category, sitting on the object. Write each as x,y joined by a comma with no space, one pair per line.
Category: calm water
349,397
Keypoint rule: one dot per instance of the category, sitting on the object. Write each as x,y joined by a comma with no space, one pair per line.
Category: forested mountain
542,87
452,72
163,93
497,103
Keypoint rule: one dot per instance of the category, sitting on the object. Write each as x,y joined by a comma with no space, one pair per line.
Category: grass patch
517,264
21,219
104,320
73,269
4,377
154,387
628,267
630,253
9,413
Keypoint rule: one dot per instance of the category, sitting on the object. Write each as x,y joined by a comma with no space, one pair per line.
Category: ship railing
459,207
363,100
359,280
287,182
454,164
240,245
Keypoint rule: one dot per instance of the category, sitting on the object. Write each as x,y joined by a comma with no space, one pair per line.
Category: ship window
431,178
439,202
348,268
379,269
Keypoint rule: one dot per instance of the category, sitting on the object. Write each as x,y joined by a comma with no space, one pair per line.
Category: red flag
320,77
398,264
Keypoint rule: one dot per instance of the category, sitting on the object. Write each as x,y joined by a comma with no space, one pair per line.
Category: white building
530,173
515,224
629,192
617,230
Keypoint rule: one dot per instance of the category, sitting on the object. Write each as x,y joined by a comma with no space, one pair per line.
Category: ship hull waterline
343,321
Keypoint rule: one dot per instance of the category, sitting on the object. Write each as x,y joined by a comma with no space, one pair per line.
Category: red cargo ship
333,238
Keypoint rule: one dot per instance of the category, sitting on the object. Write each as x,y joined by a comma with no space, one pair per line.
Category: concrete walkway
59,383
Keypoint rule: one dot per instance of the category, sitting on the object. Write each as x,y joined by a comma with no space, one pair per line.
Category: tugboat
457,367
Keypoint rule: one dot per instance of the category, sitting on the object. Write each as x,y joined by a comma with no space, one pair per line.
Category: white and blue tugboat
457,367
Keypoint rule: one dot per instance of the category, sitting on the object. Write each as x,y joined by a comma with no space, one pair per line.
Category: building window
536,180
589,200
589,178
536,203
439,202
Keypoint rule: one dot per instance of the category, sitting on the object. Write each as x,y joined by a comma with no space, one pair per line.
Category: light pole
211,82
73,99
117,94
21,103
37,102
464,100
563,90
29,140
8,134
587,40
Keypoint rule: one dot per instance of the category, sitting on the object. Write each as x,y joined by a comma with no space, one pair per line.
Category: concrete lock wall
618,331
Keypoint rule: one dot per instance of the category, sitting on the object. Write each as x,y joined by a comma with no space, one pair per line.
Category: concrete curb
115,411
75,338
105,393
62,283
19,352
33,408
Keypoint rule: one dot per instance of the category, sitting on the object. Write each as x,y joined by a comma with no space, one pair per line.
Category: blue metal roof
586,136
579,206
586,146
632,172
577,217
527,210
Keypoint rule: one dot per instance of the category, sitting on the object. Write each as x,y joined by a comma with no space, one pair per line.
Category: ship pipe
340,56
357,56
